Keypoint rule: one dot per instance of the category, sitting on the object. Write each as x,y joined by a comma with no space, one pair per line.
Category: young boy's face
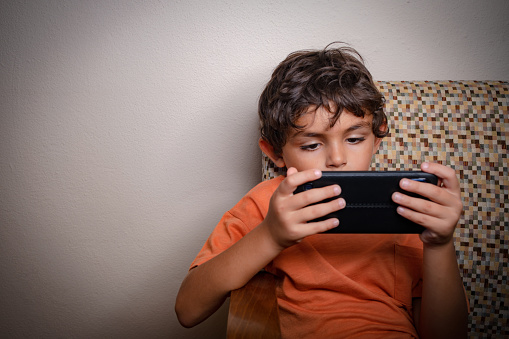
349,145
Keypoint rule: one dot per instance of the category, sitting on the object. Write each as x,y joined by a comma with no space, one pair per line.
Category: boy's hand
441,214
288,215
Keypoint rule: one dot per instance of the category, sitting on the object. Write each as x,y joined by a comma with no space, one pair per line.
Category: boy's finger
292,181
435,231
430,222
442,196
315,195
322,226
423,189
447,175
291,171
320,210
419,205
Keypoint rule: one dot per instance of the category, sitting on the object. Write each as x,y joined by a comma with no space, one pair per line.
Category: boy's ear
268,149
378,141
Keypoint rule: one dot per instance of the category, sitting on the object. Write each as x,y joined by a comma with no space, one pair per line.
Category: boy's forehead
320,120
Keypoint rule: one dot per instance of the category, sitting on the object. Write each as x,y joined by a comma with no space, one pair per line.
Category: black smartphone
369,206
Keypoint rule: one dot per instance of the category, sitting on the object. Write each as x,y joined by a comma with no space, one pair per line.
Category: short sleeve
227,232
248,213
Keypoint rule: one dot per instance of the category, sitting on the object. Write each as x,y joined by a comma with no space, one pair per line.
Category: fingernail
425,165
318,173
397,197
400,210
342,203
405,183
337,190
335,222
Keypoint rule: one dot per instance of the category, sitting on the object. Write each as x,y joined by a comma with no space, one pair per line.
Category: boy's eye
310,147
355,140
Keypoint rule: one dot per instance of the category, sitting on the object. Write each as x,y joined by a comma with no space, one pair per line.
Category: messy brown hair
335,78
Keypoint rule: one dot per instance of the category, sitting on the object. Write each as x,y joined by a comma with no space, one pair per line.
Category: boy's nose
336,157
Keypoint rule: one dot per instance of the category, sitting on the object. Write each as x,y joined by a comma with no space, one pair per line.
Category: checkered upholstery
465,125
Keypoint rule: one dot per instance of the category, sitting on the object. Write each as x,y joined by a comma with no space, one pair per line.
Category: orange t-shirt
333,285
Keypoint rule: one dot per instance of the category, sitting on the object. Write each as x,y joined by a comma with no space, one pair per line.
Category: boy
322,112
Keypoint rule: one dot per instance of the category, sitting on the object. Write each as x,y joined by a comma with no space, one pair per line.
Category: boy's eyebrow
303,133
364,124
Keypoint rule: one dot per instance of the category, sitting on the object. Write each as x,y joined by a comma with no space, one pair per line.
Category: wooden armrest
253,309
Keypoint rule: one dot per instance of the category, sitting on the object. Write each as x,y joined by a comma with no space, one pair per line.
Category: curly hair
334,78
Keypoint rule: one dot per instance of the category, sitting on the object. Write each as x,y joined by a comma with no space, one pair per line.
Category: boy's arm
443,306
206,287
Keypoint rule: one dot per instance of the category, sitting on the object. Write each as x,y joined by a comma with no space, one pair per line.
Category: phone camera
307,186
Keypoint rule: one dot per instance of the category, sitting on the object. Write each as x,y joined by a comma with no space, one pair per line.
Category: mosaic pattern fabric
465,125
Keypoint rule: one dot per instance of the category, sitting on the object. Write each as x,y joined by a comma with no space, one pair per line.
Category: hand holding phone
369,206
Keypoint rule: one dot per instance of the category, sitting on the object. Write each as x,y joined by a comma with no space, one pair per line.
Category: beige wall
128,128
